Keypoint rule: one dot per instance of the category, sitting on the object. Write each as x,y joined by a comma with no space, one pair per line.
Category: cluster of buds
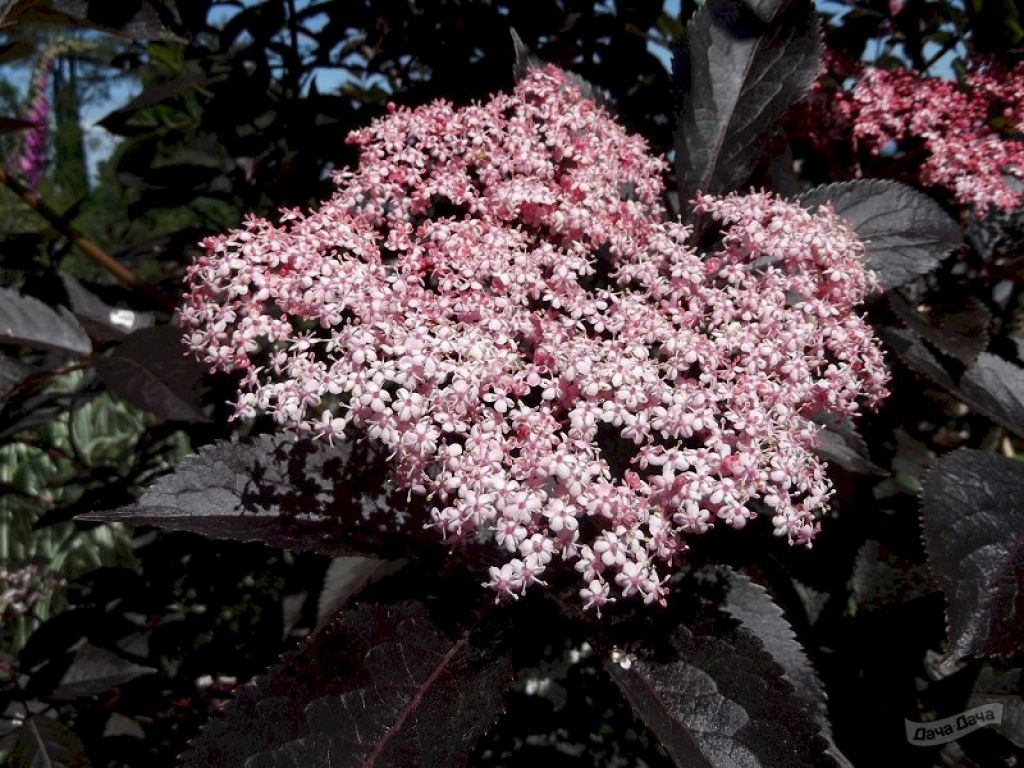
961,136
496,295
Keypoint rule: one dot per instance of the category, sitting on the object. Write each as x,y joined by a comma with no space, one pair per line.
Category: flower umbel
496,296
963,137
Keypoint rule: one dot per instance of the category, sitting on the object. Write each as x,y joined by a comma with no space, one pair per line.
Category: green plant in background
54,465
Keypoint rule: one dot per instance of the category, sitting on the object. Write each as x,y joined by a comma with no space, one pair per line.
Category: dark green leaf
973,521
906,233
380,686
740,70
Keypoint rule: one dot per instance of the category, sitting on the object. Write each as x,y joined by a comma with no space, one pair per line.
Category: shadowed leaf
139,23
739,71
42,742
101,320
906,233
149,371
26,320
840,443
300,495
881,580
973,522
713,693
961,333
345,578
750,604
95,670
1003,686
380,686
916,356
995,387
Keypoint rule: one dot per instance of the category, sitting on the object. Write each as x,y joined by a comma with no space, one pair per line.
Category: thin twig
96,253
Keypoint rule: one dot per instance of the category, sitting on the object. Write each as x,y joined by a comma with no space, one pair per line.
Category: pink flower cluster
495,294
967,134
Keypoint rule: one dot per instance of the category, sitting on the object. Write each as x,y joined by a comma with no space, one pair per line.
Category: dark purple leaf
345,578
525,60
524,57
42,742
1003,686
713,695
995,387
380,686
916,356
754,609
14,50
880,579
959,332
740,70
906,233
300,495
102,321
150,371
12,372
973,521
119,120
840,443
95,670
27,320
997,234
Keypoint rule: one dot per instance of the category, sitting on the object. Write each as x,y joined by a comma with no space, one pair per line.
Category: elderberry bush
496,423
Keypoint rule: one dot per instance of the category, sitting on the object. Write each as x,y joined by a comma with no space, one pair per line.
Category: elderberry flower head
963,137
496,295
